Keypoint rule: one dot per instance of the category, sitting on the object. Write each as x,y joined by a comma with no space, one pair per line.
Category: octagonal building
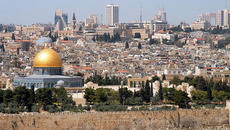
47,71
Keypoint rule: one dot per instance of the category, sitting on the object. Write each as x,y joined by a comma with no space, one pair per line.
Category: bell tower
74,22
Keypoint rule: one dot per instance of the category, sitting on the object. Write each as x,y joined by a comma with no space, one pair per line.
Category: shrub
138,100
3,107
129,101
134,109
79,107
210,106
12,108
102,107
35,108
155,100
87,108
52,108
144,108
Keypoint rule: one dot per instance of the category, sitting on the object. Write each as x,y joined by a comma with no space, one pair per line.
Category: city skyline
43,11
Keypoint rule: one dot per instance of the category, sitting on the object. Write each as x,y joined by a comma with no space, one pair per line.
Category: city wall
117,120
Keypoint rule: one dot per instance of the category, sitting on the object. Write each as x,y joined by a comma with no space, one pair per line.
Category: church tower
74,22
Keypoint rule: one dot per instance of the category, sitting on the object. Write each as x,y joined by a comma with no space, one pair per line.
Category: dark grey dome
42,40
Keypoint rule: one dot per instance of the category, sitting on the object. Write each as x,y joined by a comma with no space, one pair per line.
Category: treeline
219,30
144,96
179,29
22,99
207,91
222,43
107,38
100,80
202,84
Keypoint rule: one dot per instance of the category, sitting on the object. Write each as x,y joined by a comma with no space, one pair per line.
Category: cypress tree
164,77
151,90
3,48
13,36
139,46
126,45
147,92
161,92
209,92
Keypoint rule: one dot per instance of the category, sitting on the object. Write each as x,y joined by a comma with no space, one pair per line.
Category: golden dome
47,58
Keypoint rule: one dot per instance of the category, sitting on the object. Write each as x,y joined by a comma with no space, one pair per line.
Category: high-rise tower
60,19
112,14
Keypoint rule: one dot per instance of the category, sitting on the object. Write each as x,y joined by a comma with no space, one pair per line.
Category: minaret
74,21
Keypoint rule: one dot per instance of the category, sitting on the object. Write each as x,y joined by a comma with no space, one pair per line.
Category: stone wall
117,120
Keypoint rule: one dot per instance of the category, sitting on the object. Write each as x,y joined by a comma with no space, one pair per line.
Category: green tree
105,37
221,96
175,80
68,104
155,78
61,95
94,39
155,100
181,99
124,94
139,46
168,94
8,96
13,36
147,92
138,100
90,95
1,96
200,83
117,37
126,45
32,95
209,92
164,77
44,97
109,40
199,96
97,38
160,92
21,96
101,95
3,48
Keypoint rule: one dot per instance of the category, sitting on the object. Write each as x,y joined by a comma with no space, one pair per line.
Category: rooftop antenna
163,4
141,14
102,19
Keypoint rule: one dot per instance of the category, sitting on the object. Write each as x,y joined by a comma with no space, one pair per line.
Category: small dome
60,83
42,40
47,58
189,73
90,83
191,87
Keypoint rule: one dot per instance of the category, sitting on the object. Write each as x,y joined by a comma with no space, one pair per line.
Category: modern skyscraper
161,15
226,17
209,17
112,14
93,19
220,18
60,19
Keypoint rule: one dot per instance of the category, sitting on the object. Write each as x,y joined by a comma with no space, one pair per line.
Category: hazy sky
27,12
